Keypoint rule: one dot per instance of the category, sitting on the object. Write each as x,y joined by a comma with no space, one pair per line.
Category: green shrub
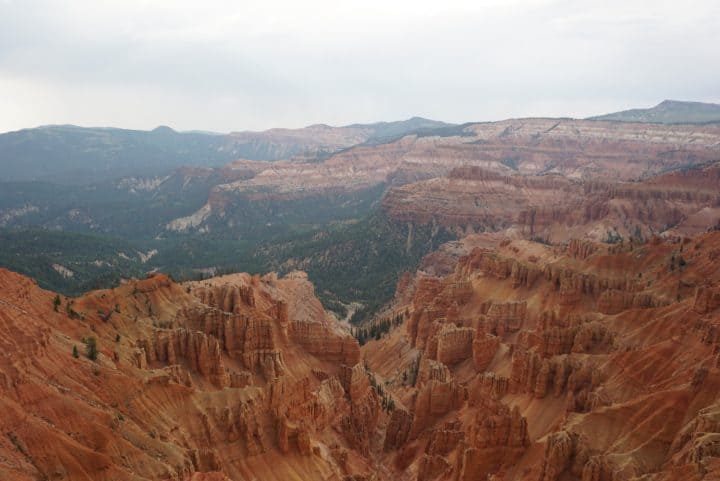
91,348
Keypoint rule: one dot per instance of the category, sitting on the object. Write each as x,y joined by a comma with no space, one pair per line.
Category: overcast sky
236,65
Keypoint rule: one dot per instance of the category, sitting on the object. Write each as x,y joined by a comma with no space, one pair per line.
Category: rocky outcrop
558,456
496,438
484,348
227,297
613,301
503,317
431,370
200,353
359,426
436,398
247,338
580,249
707,299
572,335
319,340
488,385
398,429
489,263
557,375
359,383
432,466
445,439
291,435
242,423
454,344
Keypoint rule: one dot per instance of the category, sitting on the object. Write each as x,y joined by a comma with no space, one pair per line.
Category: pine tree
91,348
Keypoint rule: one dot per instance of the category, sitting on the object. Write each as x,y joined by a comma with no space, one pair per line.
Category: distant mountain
668,112
68,154
383,131
74,155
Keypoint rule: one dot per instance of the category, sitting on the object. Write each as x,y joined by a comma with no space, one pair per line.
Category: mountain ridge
668,112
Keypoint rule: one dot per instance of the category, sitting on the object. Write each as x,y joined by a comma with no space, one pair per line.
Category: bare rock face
487,386
505,317
432,370
534,175
290,435
613,301
580,249
598,468
484,348
707,299
555,208
579,370
319,340
398,429
251,340
434,399
454,344
496,438
227,297
445,439
558,457
200,352
432,466
176,388
359,383
359,426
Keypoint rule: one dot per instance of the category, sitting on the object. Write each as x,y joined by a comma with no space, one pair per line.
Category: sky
237,65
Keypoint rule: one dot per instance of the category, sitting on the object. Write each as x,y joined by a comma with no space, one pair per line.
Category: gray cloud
229,65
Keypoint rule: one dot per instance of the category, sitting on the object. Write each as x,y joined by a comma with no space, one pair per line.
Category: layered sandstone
206,381
588,362
485,176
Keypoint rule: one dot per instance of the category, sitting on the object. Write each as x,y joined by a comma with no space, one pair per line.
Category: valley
279,214
524,300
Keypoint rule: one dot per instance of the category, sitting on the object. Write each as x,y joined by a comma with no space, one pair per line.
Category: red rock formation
200,352
318,340
434,399
505,317
486,386
525,362
151,405
707,299
454,344
556,208
484,348
398,429
589,376
558,457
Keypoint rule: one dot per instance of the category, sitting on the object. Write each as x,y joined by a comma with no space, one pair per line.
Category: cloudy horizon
229,66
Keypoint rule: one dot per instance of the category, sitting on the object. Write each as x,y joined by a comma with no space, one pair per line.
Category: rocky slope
587,362
573,149
554,208
239,376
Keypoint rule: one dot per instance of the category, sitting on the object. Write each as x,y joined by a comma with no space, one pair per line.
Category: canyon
574,149
525,300
581,361
310,198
